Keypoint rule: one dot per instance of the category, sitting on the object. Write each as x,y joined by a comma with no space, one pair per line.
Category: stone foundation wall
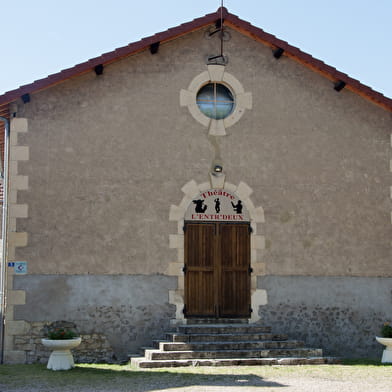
342,315
95,347
123,311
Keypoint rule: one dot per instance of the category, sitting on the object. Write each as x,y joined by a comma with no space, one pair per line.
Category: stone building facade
107,158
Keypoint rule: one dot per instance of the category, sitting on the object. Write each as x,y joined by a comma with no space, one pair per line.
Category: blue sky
42,37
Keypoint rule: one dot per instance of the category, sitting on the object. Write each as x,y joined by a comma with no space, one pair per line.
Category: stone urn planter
387,353
61,357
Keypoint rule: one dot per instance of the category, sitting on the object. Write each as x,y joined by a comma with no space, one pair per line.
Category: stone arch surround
216,73
176,241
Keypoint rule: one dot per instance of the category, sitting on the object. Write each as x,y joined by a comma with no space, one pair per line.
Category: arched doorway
182,215
217,265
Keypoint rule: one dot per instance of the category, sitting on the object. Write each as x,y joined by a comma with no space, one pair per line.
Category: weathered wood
217,262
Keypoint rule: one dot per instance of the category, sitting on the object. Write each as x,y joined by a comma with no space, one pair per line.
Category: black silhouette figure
237,207
217,205
199,206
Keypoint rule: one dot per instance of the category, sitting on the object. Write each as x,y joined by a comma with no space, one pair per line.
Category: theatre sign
217,205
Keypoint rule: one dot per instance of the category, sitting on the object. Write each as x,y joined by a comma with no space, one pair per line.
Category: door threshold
217,321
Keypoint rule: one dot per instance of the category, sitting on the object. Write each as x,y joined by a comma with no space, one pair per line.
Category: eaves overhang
230,20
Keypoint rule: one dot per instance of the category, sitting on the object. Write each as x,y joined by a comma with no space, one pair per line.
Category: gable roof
230,20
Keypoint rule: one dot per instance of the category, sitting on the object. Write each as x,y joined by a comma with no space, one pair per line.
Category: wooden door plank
199,265
235,263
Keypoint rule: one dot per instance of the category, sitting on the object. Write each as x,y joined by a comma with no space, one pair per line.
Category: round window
215,101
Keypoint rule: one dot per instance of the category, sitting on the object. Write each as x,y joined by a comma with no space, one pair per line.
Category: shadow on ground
34,378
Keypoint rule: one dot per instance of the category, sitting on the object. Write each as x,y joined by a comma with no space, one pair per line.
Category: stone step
228,354
229,344
222,329
216,321
187,338
242,345
143,363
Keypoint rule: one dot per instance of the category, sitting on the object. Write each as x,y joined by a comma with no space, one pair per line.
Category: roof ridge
195,24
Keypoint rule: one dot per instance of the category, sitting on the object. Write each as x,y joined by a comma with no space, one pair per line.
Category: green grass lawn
120,377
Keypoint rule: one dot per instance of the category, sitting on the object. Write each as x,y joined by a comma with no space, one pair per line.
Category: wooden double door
217,270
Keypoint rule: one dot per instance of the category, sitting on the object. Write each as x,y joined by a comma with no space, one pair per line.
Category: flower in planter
60,333
386,330
60,330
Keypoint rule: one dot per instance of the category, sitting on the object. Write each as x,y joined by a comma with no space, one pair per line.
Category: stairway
227,343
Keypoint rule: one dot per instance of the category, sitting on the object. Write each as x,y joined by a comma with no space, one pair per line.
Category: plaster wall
130,311
109,154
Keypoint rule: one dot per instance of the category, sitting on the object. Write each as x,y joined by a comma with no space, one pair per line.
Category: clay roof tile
229,19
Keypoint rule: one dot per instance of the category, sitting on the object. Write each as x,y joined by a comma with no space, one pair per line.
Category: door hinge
250,229
250,309
184,268
184,310
184,228
250,270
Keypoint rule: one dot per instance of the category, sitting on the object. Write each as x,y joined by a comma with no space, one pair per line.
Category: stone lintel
217,181
216,72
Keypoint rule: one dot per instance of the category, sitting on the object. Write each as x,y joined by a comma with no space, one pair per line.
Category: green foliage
60,330
386,330
61,333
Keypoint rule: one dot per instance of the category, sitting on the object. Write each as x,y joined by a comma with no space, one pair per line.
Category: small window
215,101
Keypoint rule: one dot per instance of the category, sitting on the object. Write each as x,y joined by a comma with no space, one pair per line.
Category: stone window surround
216,74
176,241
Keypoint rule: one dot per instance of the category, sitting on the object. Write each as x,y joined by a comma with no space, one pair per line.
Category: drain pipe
4,230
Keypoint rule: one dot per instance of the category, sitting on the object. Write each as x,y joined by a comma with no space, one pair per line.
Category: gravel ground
242,385
291,385
295,379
